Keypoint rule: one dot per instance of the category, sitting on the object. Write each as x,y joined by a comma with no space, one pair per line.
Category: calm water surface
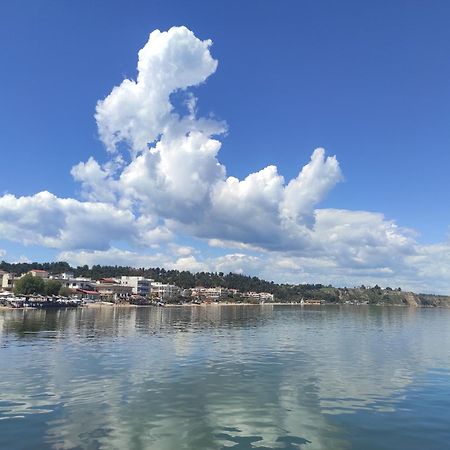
228,377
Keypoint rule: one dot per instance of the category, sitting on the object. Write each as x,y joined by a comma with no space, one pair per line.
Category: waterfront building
67,280
113,291
185,293
214,293
88,295
164,291
109,280
7,280
260,296
63,276
39,273
140,285
311,301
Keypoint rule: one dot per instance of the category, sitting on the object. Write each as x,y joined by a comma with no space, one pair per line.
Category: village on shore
57,284
132,290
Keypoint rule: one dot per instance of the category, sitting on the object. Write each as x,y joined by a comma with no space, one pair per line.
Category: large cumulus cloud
137,111
66,223
173,170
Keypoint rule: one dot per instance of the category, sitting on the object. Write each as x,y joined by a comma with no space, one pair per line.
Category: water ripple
225,377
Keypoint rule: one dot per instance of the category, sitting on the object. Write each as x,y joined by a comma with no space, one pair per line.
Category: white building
113,291
260,296
214,293
140,285
68,280
39,273
64,276
161,290
7,281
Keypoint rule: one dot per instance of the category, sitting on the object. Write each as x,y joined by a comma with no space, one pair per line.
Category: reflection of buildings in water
3,322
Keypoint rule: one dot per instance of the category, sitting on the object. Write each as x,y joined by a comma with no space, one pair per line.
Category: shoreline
99,305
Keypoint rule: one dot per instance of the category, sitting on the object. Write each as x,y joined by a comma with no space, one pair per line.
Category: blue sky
367,82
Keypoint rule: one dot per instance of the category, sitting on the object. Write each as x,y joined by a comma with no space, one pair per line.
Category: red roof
83,291
38,270
108,280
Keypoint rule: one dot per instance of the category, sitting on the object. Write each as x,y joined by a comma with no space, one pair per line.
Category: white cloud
189,263
96,182
181,250
116,256
138,111
112,256
184,183
314,181
22,259
174,179
361,238
50,221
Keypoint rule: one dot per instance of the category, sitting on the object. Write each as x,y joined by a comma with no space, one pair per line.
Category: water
230,377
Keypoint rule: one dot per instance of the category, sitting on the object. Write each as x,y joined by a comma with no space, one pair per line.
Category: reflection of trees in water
26,321
122,321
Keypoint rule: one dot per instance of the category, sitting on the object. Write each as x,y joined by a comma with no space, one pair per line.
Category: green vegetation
65,292
52,287
29,284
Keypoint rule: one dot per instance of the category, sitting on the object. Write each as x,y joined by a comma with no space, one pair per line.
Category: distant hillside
281,292
378,296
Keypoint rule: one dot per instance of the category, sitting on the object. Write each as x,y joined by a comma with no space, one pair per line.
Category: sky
299,141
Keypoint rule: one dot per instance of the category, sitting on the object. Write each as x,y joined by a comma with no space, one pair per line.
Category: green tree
52,287
65,291
29,284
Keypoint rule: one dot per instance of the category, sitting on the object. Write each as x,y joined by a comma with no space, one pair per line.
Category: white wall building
113,291
67,280
140,285
7,281
260,296
64,276
39,273
214,293
161,290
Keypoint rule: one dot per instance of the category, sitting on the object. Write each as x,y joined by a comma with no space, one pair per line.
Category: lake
225,377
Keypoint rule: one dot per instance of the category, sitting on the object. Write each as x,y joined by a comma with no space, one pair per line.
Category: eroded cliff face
411,299
378,296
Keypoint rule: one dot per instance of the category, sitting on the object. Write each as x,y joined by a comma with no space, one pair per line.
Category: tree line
183,279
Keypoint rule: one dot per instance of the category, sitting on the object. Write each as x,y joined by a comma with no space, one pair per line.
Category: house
312,301
88,295
108,280
213,294
64,276
164,291
140,285
7,281
113,291
67,280
39,273
260,296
